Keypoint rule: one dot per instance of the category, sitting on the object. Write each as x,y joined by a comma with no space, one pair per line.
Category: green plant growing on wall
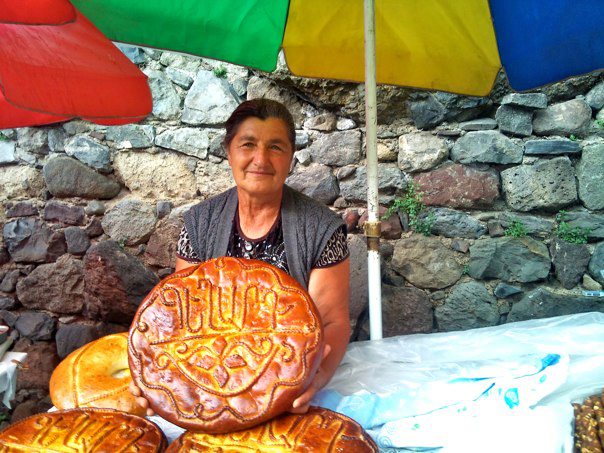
515,229
572,235
573,137
424,224
599,123
411,204
220,72
3,138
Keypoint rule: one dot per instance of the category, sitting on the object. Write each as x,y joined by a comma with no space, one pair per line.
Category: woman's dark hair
262,109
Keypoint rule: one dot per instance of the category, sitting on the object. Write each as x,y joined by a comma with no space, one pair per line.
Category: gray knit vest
307,227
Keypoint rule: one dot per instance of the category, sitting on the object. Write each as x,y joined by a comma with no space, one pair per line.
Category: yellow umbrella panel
448,46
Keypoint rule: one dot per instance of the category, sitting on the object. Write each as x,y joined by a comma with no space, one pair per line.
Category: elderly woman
262,218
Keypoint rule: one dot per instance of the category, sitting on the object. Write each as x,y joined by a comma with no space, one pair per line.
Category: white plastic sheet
450,392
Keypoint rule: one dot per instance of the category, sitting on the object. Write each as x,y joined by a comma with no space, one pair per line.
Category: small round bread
96,375
225,345
84,430
319,430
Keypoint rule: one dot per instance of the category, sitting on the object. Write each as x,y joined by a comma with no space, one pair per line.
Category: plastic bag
396,386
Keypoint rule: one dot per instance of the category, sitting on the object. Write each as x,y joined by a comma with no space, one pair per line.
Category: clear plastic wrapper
502,388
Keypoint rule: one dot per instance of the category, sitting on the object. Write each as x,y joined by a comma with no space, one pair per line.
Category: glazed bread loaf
225,345
95,375
319,430
83,430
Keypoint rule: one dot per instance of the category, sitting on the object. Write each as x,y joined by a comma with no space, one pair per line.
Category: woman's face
260,155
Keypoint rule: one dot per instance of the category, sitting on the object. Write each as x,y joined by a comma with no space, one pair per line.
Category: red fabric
51,73
11,116
49,12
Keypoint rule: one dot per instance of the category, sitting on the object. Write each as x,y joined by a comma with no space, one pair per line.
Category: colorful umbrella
457,46
55,65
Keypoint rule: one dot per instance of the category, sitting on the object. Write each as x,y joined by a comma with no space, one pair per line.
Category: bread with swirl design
225,345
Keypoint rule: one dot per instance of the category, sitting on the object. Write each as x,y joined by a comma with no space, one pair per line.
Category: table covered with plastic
498,389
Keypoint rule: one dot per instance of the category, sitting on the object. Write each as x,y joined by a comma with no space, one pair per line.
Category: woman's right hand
140,399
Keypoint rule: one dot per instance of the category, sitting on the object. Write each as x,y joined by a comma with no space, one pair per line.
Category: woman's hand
140,399
328,288
302,403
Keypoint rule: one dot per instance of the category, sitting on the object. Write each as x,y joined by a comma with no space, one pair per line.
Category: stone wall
90,214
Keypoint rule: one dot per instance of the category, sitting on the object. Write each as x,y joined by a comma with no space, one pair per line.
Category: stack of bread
589,425
222,350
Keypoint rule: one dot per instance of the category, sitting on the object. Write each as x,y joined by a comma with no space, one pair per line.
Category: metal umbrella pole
372,226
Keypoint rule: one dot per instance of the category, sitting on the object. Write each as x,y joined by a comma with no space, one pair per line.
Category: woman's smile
260,172
260,155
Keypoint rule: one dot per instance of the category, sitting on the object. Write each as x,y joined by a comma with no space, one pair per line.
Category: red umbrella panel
56,65
36,12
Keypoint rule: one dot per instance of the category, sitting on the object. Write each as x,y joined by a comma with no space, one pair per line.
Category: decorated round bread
83,430
225,345
319,430
96,375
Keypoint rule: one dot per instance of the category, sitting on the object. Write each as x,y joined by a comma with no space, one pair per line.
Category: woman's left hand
328,288
302,403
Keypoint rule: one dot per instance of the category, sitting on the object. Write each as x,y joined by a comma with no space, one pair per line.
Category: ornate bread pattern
319,430
225,345
83,430
96,375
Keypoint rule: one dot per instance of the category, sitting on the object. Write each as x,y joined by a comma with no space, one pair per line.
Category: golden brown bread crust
96,375
319,430
83,430
225,345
